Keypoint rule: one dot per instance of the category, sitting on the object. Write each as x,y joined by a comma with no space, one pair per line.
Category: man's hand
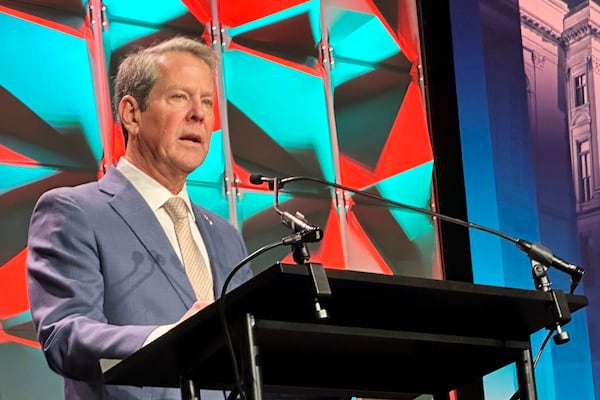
161,330
197,306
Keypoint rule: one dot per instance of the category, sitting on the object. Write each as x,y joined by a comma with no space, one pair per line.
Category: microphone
543,255
259,179
298,224
534,251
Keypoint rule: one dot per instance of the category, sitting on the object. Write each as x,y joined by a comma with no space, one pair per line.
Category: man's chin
191,165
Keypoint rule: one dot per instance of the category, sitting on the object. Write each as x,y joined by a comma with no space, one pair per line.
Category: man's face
174,131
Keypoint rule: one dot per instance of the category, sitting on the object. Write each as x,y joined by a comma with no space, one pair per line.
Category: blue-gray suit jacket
102,275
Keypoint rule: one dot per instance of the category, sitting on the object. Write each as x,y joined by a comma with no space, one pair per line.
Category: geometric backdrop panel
326,89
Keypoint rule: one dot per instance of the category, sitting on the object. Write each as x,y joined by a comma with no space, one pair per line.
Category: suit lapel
145,226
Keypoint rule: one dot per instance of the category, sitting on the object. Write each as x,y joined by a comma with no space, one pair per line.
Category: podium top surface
427,322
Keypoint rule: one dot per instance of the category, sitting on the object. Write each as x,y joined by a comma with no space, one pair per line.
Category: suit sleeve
66,291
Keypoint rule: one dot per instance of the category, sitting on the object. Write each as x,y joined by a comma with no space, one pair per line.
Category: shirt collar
149,188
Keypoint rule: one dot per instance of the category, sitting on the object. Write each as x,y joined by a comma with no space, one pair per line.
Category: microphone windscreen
256,179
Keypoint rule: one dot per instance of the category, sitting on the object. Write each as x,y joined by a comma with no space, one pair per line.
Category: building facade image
561,55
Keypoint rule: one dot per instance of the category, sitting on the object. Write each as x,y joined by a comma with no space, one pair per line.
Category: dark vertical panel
448,177
440,92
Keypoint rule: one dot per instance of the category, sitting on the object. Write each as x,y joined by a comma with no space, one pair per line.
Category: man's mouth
195,139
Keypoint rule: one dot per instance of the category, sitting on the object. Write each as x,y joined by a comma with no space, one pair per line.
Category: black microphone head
259,179
256,179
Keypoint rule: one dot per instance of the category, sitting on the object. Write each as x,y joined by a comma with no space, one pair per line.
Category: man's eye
208,102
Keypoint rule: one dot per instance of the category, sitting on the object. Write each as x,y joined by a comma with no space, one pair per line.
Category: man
105,270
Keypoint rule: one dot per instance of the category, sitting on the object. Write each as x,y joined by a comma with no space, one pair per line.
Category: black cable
534,251
516,395
222,310
434,214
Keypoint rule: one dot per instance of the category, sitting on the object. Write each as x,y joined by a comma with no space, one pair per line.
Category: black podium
385,337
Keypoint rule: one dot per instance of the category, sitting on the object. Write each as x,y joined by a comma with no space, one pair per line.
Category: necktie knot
176,208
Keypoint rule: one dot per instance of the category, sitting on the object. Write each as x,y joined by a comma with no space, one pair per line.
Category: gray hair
138,71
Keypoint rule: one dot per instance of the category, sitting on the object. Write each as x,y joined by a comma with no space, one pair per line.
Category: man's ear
129,114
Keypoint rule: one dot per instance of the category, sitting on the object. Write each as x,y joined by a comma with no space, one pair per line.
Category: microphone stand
301,255
239,385
318,276
560,311
302,232
560,308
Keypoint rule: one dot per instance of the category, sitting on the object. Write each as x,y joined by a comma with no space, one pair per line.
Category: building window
585,171
580,90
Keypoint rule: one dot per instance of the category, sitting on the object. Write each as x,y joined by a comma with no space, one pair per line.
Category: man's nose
197,111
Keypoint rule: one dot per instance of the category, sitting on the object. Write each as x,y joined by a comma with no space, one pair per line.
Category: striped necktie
193,262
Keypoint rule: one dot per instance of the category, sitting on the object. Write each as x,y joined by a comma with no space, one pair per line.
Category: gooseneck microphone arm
534,251
258,179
